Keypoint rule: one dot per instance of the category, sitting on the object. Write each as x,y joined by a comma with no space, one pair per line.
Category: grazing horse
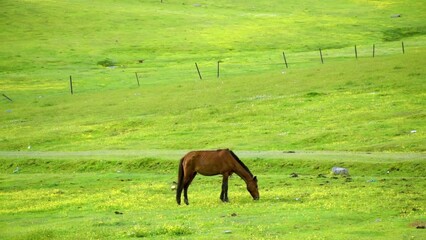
210,163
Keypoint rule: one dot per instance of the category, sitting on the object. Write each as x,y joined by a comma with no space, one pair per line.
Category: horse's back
207,154
209,162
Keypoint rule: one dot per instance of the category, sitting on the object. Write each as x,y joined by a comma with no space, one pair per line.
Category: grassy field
98,164
111,195
364,105
369,104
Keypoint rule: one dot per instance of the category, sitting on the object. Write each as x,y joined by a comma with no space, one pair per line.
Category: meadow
99,163
364,104
102,196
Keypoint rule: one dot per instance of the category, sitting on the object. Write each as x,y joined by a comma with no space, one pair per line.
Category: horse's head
253,189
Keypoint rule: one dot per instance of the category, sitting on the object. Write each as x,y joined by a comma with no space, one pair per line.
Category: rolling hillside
364,104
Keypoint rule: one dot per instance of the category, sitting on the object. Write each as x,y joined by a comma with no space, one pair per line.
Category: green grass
98,164
345,104
364,105
45,41
119,197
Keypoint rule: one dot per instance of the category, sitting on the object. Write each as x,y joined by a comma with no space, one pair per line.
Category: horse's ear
255,178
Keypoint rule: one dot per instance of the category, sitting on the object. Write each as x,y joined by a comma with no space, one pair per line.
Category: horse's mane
240,162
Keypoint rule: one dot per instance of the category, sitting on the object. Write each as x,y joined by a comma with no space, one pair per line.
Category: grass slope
44,42
365,105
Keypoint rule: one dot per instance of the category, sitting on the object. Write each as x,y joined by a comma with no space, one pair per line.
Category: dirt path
176,154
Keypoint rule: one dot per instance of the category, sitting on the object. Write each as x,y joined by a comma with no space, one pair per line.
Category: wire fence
192,68
201,69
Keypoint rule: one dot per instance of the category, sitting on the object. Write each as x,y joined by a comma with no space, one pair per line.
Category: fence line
228,66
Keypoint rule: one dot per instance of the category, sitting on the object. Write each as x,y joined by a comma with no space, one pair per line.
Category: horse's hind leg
187,182
178,193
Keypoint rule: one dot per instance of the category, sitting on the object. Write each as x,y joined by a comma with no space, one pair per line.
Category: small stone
340,171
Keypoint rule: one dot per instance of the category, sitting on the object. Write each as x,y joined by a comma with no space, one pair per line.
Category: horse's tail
180,181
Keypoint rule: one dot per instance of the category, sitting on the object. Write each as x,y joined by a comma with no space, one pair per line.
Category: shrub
107,62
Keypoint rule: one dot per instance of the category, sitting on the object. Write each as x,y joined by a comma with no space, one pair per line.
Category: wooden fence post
72,90
356,53
198,70
218,69
8,98
285,60
374,50
137,78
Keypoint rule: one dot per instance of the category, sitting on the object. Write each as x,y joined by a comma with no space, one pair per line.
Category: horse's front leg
224,193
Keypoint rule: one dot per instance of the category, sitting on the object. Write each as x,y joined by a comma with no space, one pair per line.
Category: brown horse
210,163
